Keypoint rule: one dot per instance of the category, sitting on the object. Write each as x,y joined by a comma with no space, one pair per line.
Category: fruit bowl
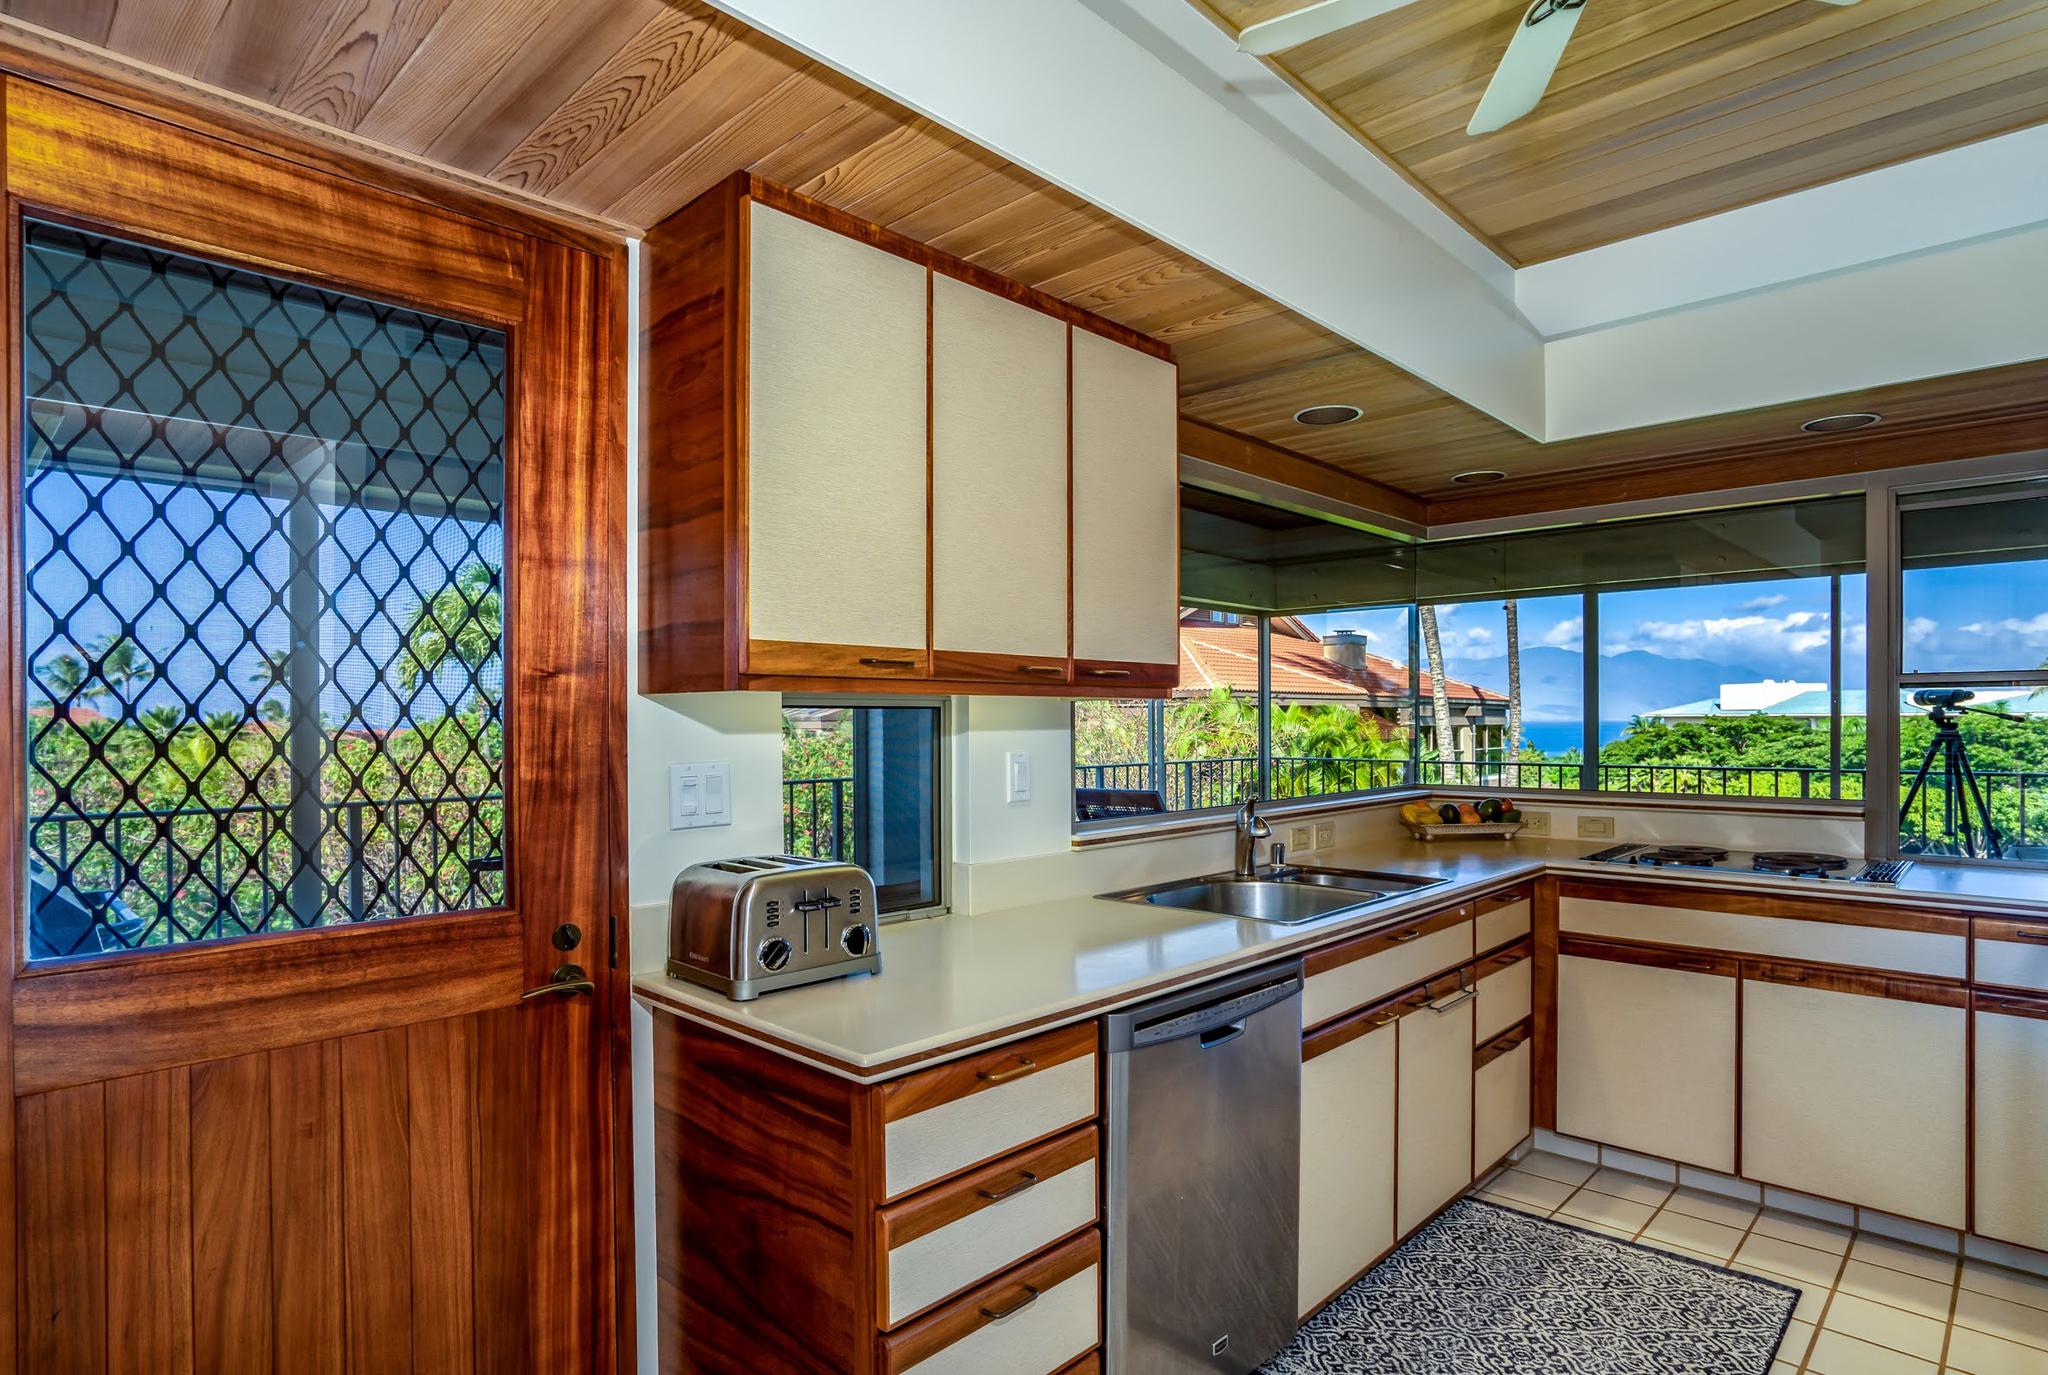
1491,817
1462,830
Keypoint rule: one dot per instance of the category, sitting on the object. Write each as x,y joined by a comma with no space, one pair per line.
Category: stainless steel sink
1287,896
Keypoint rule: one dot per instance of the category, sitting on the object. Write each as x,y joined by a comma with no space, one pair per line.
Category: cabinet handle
1025,1180
1698,966
1400,936
1441,1008
1011,1310
1387,1020
2030,934
1040,668
1003,1076
2009,1006
870,662
1107,672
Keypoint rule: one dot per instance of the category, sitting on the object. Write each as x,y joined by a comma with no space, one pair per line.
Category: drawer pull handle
1040,668
1386,1019
1441,1008
1013,1309
871,662
2030,934
1400,936
1003,1076
1698,966
1025,1181
1107,672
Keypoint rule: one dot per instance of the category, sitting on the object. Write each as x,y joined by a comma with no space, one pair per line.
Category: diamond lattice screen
262,542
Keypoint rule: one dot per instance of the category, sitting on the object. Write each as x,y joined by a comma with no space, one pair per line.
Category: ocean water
1555,737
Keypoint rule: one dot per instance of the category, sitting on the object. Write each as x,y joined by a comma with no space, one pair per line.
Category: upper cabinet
865,461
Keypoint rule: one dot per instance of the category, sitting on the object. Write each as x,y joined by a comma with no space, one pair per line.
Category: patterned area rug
1485,1290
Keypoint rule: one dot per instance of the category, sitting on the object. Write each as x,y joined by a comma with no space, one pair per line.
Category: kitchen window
865,782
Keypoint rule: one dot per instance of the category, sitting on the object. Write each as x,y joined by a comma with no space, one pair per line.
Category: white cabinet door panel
2012,1127
1856,1098
1347,1163
835,438
1126,504
1646,1059
1434,1111
999,475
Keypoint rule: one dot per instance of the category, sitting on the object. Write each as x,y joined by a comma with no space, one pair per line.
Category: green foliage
463,622
815,758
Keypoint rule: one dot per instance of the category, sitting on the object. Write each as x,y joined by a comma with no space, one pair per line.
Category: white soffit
1977,190
1058,89
1146,108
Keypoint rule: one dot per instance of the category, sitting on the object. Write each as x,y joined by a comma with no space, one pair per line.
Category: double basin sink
1286,896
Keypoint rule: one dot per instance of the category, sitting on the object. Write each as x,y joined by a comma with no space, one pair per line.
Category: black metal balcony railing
814,817
198,873
2018,799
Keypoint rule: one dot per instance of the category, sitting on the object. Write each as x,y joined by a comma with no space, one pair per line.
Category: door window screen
262,542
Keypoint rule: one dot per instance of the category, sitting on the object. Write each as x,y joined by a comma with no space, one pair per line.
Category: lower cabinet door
1500,1097
1038,1319
1853,1088
1646,1051
1433,1102
1347,1153
2012,1119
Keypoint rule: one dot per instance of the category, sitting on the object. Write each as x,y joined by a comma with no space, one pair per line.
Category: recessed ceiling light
1835,424
1327,415
1478,477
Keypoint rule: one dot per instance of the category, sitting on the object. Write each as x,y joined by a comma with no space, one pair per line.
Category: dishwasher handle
1219,1022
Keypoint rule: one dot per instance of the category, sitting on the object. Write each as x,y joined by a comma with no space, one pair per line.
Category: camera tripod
1962,795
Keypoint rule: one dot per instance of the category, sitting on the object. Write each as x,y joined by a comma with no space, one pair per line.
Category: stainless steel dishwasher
1204,1144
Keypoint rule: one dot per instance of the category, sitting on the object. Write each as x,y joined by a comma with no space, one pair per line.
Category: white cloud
2007,642
1566,634
1764,603
1764,641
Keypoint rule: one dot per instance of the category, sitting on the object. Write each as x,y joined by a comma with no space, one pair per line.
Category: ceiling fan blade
1292,30
1527,66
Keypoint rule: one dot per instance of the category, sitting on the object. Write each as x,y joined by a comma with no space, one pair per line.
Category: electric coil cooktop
1801,864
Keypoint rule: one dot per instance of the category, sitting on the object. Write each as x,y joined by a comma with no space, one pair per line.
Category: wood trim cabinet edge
694,632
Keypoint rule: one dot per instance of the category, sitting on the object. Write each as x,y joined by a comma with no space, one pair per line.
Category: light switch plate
1017,773
1326,834
699,795
1596,828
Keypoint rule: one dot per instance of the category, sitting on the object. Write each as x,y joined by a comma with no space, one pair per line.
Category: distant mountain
1631,684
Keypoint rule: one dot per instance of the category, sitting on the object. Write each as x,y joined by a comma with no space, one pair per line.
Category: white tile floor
1871,1305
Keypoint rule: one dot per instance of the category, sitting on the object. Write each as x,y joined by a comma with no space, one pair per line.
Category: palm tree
68,681
121,664
1514,742
1439,689
164,722
464,623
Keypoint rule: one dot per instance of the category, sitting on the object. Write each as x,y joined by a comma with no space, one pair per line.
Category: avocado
1448,813
1490,809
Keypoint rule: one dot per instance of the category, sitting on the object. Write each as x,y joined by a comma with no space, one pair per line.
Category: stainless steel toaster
749,926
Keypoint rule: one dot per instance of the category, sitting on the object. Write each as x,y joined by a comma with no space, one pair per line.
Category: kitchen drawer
1369,968
959,1233
1039,1319
1503,997
1500,1096
953,1117
2011,954
1499,918
1862,935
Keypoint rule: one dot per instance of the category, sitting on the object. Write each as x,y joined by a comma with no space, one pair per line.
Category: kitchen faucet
1251,829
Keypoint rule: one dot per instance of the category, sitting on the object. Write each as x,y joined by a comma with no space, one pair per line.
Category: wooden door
278,1100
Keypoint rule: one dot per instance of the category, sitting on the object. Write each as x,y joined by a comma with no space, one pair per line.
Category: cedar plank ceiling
627,109
1667,111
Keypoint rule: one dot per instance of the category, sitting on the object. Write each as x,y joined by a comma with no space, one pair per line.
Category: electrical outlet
1596,828
1300,839
1536,823
1326,834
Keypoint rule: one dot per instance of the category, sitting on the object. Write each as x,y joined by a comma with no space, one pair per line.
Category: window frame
942,786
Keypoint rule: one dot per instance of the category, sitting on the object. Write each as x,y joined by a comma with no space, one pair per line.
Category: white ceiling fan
1518,82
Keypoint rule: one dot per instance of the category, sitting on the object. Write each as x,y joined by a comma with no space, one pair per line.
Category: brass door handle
1040,668
1010,1310
1107,672
1400,936
868,662
1004,1076
567,979
1025,1180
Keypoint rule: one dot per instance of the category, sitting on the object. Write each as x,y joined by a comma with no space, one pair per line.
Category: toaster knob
857,939
773,954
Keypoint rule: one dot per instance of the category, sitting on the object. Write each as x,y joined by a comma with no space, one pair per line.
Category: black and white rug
1485,1290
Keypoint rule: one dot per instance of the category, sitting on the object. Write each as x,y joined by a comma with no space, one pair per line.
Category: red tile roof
1227,656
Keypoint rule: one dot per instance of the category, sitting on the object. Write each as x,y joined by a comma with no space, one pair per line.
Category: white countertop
956,983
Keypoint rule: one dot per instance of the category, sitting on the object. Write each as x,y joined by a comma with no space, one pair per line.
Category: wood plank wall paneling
341,1206
632,108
